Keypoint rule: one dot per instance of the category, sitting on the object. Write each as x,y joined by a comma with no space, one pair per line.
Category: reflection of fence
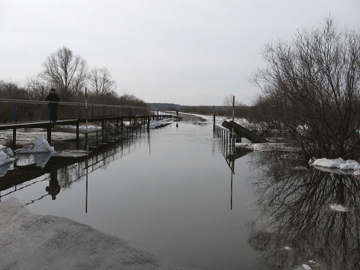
113,134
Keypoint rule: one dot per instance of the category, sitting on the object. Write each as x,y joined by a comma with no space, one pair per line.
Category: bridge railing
15,110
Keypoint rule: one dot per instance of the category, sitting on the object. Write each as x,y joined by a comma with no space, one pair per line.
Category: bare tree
101,82
66,72
314,83
37,89
228,101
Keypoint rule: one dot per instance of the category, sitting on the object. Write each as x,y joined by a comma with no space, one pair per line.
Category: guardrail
226,137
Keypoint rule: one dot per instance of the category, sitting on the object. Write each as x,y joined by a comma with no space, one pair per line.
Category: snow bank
6,160
41,145
6,156
339,163
30,241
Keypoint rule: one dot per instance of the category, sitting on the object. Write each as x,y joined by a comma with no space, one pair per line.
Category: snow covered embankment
30,241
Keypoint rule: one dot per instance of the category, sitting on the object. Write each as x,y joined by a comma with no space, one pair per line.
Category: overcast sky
189,52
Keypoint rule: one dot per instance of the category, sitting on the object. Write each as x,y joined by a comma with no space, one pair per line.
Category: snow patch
303,267
7,160
338,208
41,145
339,163
30,241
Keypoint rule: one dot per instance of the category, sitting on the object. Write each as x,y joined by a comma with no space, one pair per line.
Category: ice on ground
30,241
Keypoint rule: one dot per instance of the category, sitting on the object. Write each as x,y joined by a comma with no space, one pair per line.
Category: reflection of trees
296,215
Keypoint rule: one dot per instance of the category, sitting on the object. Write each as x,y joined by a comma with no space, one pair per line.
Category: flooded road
172,193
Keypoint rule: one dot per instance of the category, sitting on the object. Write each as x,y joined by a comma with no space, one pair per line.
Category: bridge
18,114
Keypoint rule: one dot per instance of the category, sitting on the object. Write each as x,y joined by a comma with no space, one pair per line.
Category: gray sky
190,52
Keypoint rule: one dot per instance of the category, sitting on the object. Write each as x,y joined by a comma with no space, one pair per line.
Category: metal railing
15,110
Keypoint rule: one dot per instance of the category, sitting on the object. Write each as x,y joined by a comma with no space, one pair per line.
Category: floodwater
173,193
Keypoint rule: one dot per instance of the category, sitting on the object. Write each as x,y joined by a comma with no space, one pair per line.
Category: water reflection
54,188
297,224
61,172
230,161
39,159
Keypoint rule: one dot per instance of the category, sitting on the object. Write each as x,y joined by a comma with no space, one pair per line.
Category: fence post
148,122
77,136
232,142
214,118
14,113
14,138
78,110
49,133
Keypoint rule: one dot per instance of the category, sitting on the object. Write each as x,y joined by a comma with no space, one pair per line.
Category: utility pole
86,120
214,118
232,130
